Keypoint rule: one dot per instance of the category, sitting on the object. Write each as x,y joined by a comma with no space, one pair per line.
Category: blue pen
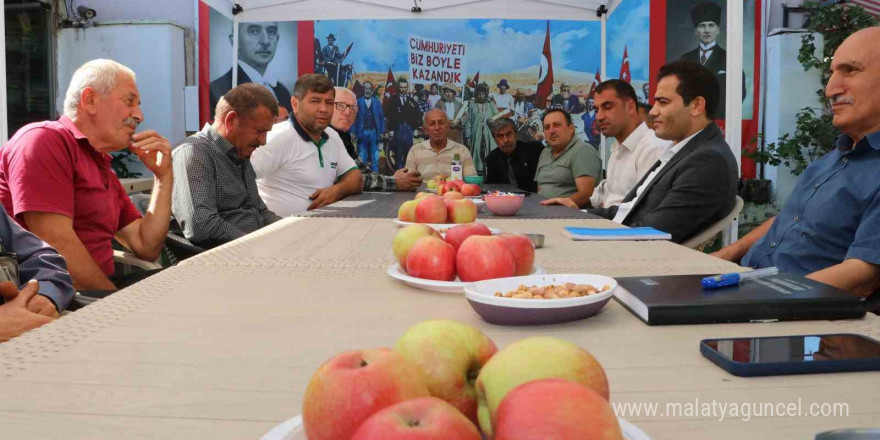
731,279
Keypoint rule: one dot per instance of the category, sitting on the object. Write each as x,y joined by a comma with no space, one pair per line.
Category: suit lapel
705,136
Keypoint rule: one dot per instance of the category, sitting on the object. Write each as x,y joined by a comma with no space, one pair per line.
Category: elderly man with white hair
56,179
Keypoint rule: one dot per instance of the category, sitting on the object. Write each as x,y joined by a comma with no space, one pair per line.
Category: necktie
703,56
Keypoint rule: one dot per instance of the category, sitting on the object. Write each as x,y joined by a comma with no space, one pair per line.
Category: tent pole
733,103
234,50
4,128
603,150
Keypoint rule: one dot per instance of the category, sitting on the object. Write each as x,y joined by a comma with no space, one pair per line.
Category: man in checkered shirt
215,196
346,109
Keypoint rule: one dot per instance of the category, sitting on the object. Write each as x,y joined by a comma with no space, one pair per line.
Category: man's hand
564,201
154,151
15,318
324,197
407,180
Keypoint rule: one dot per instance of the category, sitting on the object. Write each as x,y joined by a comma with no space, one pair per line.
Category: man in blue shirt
829,230
42,288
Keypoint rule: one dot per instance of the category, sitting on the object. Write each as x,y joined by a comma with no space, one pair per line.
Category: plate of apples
415,391
464,254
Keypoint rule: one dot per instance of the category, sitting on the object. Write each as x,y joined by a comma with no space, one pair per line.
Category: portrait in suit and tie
696,31
266,56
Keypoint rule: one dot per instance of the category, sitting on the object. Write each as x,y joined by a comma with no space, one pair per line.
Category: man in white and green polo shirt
568,167
301,167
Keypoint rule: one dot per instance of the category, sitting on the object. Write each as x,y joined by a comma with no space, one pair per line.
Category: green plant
814,135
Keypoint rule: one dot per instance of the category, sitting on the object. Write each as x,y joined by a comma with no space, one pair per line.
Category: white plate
397,272
442,227
293,430
484,291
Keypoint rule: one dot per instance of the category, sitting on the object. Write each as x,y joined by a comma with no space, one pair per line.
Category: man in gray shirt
215,197
35,284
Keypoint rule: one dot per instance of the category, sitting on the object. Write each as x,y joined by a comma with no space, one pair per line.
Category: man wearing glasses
302,167
346,110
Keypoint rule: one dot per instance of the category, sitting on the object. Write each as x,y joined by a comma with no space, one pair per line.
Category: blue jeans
368,148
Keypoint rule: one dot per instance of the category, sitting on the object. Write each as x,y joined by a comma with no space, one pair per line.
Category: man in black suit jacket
512,156
256,49
706,18
694,183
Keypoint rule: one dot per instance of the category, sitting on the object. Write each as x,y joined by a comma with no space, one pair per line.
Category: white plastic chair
716,227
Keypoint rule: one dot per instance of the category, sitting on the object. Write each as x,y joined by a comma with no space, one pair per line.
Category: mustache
131,122
841,99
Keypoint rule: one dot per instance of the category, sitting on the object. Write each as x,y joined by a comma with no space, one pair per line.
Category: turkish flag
545,74
390,90
624,68
596,80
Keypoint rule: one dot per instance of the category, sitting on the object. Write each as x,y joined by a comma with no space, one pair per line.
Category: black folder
680,299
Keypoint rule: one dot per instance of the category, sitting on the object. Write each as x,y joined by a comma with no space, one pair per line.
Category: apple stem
363,363
413,423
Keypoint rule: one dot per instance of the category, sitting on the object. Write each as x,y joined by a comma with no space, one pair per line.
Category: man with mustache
829,230
452,107
693,184
257,43
215,196
568,167
302,167
368,126
514,161
56,179
476,130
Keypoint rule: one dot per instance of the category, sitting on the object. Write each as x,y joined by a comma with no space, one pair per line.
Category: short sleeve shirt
832,215
292,166
555,176
51,167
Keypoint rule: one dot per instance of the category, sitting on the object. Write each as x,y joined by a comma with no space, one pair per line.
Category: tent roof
283,10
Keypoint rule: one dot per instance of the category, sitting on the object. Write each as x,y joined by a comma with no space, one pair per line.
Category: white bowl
397,272
517,311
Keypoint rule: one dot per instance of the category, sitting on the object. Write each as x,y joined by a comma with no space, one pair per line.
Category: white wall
181,12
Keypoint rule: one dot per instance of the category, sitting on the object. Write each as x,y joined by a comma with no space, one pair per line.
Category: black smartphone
802,354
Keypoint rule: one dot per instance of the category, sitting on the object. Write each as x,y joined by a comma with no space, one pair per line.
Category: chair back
177,247
716,227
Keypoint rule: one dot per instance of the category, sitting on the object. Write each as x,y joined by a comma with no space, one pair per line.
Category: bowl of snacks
501,203
540,299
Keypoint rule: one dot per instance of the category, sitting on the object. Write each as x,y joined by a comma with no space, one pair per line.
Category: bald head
854,86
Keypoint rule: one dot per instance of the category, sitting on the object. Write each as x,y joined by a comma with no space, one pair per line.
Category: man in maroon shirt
56,179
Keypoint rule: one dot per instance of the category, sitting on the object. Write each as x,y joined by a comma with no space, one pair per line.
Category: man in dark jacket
693,184
513,162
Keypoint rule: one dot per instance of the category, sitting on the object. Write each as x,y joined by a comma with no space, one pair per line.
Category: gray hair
425,116
100,75
496,125
345,91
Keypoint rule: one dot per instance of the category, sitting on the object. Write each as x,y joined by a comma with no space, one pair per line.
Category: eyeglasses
341,106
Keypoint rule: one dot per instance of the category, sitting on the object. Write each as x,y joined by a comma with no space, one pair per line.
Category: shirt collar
303,134
79,136
430,148
632,141
844,143
707,47
267,80
220,143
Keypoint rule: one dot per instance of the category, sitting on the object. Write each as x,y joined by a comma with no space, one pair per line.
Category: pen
730,279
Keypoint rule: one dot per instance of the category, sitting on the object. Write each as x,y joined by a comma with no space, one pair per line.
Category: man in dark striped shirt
344,114
215,196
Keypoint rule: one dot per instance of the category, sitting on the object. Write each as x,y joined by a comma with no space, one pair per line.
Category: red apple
453,195
422,195
458,182
483,258
407,237
555,408
457,234
431,209
523,251
449,186
349,388
530,359
407,211
431,258
470,190
427,418
450,355
461,211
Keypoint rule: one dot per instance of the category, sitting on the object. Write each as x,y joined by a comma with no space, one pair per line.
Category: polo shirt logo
333,165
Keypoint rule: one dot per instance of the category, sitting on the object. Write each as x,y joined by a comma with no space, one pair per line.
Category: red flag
624,68
475,81
390,89
596,80
545,74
